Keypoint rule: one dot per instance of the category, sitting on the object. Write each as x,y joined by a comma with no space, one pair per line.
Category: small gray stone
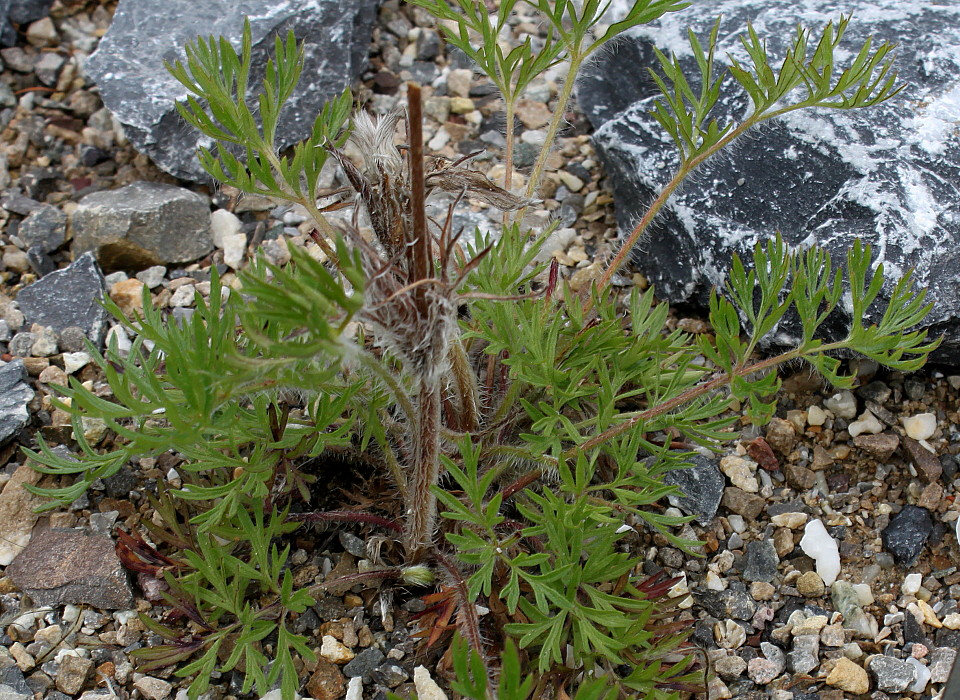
45,226
762,561
701,486
942,660
21,345
391,675
5,333
364,664
15,394
71,339
142,224
891,675
353,544
727,604
68,297
805,655
13,686
47,68
152,276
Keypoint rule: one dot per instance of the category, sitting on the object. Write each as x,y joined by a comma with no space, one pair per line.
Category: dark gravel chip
907,533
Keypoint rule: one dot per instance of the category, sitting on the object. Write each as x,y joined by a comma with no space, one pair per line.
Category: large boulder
128,65
887,175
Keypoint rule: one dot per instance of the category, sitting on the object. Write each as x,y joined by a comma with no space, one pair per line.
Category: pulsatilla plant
454,365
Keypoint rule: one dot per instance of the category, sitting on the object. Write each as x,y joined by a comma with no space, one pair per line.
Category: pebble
907,534
842,404
921,676
911,584
793,521
849,677
816,416
811,585
730,668
846,600
867,423
153,688
427,688
741,473
334,651
153,275
234,249
817,544
891,675
921,426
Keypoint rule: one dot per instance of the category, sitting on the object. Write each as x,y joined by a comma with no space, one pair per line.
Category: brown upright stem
425,426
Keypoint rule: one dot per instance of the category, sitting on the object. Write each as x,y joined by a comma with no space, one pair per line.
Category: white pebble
354,689
842,404
223,223
234,248
921,675
867,423
427,688
817,544
119,335
335,651
183,296
72,361
864,593
921,426
911,584
816,416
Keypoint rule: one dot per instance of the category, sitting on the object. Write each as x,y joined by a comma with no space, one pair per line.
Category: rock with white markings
128,65
882,174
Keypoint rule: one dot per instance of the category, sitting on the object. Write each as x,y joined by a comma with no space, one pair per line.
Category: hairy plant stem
309,203
576,59
466,382
425,428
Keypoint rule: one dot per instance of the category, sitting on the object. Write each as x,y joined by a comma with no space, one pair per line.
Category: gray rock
21,345
68,297
364,664
15,394
701,485
13,686
805,655
142,224
61,566
907,534
941,661
45,226
71,339
390,675
891,675
884,175
727,604
353,544
128,65
762,561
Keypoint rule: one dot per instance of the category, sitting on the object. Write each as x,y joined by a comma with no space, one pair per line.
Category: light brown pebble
811,585
128,294
761,590
53,375
931,496
848,676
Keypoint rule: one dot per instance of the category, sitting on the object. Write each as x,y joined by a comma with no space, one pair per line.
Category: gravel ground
876,467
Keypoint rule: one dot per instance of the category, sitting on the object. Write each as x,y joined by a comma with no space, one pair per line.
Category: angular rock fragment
68,297
907,534
71,566
701,485
883,174
142,225
128,65
15,394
